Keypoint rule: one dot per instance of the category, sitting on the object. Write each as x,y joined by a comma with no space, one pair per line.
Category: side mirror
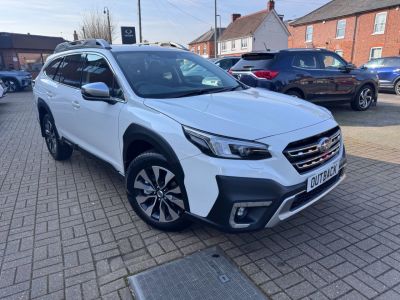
351,67
97,91
347,68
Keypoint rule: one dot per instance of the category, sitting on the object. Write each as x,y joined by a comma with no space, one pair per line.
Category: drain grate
204,275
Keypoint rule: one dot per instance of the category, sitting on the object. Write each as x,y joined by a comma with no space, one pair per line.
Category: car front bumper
268,203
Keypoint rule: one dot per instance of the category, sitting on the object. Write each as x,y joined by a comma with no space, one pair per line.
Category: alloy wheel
50,136
158,194
11,86
397,87
365,98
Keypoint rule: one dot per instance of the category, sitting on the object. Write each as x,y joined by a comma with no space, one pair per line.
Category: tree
95,25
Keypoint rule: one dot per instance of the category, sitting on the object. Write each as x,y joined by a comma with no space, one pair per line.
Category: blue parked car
16,80
388,71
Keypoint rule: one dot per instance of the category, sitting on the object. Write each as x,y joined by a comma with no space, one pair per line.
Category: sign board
128,35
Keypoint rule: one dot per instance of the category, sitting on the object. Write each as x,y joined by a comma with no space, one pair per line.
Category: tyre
363,99
155,193
294,94
12,85
57,149
397,88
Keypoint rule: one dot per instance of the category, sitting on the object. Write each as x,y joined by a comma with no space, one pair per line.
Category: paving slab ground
206,274
68,232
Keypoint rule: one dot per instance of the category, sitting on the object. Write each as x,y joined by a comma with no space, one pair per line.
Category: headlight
224,147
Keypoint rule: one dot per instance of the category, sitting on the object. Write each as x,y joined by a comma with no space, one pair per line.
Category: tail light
266,74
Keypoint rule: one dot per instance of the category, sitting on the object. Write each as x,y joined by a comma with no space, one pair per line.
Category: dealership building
25,51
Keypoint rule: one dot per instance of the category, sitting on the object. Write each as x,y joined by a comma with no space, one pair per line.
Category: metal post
140,21
220,26
107,11
215,30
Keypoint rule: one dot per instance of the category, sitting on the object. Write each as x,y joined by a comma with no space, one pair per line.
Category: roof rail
88,43
166,44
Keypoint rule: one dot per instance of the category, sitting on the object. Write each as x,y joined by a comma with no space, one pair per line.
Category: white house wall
270,35
238,49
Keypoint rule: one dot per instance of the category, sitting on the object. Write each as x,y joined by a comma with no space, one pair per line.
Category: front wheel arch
137,135
43,109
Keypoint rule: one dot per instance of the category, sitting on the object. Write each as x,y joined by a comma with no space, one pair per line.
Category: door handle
75,104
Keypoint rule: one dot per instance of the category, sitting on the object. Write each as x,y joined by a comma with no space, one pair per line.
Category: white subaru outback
192,142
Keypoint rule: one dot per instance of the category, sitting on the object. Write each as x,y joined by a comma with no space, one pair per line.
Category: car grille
306,155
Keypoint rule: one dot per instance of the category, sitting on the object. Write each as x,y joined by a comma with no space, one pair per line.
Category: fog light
241,212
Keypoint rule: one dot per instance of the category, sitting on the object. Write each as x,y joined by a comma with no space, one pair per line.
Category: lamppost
220,26
140,21
215,28
106,11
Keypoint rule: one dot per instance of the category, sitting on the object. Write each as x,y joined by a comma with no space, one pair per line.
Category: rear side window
256,62
96,69
52,67
305,61
375,63
227,63
391,62
70,73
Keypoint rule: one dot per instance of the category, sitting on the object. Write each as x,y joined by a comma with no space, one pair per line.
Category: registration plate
323,176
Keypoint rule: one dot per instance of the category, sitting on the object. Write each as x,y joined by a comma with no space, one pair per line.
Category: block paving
68,232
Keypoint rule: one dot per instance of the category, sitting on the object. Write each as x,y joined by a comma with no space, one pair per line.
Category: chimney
271,5
235,17
75,36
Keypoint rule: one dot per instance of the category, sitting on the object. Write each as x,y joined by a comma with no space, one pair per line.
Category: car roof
142,47
288,50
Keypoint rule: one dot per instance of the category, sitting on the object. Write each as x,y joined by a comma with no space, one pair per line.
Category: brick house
358,30
204,44
26,51
259,31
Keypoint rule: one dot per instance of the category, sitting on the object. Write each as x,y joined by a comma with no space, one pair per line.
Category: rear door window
305,61
52,67
256,62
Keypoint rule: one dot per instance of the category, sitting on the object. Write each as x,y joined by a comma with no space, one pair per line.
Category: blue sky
176,20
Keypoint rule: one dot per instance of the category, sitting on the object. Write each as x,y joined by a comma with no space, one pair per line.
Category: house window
376,52
198,49
204,49
309,33
341,29
233,44
339,52
223,46
243,43
380,23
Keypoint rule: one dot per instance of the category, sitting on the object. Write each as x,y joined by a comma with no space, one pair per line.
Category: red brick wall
325,36
209,45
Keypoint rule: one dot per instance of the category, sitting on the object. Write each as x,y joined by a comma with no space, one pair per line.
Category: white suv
191,141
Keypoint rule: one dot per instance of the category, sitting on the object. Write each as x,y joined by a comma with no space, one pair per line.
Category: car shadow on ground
385,113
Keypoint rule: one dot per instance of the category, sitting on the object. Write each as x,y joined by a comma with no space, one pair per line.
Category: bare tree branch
94,25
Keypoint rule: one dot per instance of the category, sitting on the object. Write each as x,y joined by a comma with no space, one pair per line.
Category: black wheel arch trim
136,132
373,84
41,104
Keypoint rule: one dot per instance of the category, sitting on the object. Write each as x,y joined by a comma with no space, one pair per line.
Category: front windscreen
173,74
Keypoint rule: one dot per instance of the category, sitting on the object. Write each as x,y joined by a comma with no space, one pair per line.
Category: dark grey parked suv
313,74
